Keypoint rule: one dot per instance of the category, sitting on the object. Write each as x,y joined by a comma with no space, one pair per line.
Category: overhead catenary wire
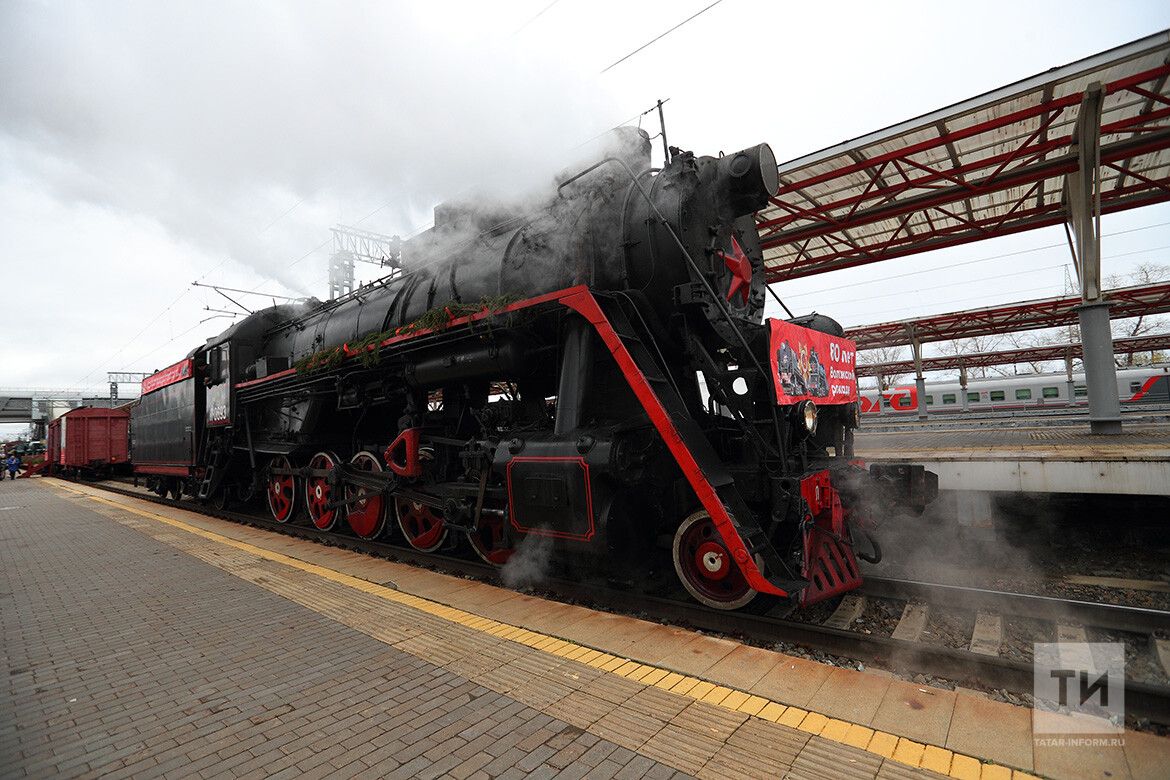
178,298
660,37
167,343
124,347
539,14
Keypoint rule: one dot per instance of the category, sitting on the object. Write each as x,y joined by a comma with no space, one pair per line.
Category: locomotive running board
713,484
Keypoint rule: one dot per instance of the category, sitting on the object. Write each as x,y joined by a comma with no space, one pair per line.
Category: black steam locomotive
592,375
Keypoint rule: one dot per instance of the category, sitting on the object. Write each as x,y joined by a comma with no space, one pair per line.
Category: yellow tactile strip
886,745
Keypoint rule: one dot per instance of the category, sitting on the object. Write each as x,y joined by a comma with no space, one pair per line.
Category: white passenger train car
1147,384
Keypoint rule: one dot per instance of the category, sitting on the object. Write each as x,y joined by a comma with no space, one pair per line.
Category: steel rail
1111,616
1143,700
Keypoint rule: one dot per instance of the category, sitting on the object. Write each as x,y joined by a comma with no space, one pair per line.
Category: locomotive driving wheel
221,498
366,508
319,492
705,565
490,540
422,525
282,489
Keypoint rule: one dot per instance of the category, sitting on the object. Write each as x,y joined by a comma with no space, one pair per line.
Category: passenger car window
1080,391
973,397
1023,394
949,398
1051,392
997,395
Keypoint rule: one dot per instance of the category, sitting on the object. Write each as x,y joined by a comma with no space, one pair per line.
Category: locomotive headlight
807,410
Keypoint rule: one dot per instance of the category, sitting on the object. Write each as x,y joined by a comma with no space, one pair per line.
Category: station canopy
989,166
1029,315
1150,343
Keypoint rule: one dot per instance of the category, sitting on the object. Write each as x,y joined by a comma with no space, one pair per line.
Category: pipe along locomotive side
592,378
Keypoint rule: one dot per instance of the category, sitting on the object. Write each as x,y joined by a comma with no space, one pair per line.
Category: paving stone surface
126,657
192,646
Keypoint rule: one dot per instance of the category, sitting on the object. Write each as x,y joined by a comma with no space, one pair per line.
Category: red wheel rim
489,542
319,492
705,566
423,528
282,493
366,510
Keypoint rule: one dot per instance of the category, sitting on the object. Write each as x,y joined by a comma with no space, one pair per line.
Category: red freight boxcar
90,440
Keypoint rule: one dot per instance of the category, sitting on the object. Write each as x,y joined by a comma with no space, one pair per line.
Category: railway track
1051,608
889,422
1143,699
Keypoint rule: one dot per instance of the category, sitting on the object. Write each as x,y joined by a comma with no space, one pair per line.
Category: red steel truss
1028,315
991,166
1154,343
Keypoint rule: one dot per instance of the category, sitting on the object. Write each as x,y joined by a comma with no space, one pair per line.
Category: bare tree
972,346
882,355
1144,273
1028,341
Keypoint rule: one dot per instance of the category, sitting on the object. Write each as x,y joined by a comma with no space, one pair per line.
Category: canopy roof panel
1028,315
989,166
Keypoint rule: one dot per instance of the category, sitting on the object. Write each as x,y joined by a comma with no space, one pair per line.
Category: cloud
211,119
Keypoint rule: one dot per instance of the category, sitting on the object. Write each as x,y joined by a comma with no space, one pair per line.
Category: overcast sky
147,145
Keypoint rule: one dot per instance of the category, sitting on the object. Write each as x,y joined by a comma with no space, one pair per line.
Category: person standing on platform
13,465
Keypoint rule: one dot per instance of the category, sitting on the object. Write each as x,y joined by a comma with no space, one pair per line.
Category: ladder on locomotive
215,462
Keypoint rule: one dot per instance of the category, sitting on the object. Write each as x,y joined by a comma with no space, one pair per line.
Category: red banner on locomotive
167,376
808,364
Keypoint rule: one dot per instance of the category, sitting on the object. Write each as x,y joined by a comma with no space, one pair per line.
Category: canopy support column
919,380
1082,190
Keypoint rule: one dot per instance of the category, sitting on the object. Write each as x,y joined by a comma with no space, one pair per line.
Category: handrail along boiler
591,379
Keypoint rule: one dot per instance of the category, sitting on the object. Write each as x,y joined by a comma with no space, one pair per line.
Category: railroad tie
912,623
1153,586
1074,653
988,634
846,612
1161,648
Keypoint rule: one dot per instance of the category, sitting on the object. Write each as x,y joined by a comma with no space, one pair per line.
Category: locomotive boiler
586,376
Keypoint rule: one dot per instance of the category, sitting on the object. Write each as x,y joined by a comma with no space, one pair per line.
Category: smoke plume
529,565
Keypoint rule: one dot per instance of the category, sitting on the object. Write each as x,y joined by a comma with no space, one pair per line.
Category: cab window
218,364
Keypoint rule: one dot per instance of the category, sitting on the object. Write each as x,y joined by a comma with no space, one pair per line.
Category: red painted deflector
586,305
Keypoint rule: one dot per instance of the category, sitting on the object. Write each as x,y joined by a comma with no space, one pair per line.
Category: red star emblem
741,271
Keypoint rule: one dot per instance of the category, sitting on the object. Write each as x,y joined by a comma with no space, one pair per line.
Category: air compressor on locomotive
594,375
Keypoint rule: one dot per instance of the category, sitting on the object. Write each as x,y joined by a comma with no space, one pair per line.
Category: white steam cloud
209,120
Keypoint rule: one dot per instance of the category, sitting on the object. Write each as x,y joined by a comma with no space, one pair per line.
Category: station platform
149,641
1030,456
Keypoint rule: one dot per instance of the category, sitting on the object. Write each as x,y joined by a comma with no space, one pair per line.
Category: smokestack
750,177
